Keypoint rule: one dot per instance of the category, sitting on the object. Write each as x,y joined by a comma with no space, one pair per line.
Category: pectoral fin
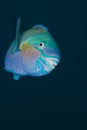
26,47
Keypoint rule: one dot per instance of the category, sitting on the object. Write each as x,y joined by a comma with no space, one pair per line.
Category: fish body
33,53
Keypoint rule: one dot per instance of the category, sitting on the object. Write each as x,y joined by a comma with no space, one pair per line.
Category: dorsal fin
40,26
18,31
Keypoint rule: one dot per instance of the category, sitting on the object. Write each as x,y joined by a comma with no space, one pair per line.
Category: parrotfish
33,53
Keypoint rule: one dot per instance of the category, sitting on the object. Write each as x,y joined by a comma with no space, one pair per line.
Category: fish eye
41,44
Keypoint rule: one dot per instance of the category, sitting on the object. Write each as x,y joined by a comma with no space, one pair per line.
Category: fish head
40,52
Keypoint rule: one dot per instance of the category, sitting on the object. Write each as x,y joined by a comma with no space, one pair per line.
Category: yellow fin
25,47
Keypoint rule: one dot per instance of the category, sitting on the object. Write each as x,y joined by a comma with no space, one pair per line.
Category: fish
33,52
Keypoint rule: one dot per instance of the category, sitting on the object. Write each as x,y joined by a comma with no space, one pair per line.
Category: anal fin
16,77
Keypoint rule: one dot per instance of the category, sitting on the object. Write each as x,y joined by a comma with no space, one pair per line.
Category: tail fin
18,31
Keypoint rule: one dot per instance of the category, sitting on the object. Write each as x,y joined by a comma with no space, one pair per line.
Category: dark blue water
57,101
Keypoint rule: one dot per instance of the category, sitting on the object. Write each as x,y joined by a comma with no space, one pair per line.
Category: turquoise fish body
33,53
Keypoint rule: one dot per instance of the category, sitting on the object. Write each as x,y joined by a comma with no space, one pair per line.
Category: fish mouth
52,63
49,63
